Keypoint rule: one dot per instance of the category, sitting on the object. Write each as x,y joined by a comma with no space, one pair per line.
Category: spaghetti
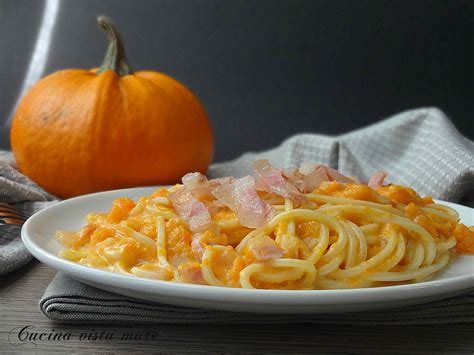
270,232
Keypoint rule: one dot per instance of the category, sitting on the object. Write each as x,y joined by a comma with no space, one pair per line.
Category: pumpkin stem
115,58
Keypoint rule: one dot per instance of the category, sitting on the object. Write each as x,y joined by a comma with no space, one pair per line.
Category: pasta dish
305,228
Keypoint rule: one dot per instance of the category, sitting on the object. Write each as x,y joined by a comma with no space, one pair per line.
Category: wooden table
21,290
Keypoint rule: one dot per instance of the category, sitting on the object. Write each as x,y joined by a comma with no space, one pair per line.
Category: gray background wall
268,69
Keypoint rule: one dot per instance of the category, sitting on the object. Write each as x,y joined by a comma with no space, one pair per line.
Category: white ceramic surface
38,236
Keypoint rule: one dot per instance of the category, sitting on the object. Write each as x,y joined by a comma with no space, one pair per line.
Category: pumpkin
81,131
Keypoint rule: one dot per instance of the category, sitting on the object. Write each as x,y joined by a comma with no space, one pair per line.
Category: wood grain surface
21,290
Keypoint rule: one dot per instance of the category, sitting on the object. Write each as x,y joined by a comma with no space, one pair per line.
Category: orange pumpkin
81,131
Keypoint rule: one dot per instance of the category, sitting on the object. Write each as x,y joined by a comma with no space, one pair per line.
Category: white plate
38,236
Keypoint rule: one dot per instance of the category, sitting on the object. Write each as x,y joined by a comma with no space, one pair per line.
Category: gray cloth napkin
419,148
67,300
19,191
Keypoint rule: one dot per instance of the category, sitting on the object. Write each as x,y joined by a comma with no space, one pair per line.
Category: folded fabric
68,300
419,148
18,190
13,254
